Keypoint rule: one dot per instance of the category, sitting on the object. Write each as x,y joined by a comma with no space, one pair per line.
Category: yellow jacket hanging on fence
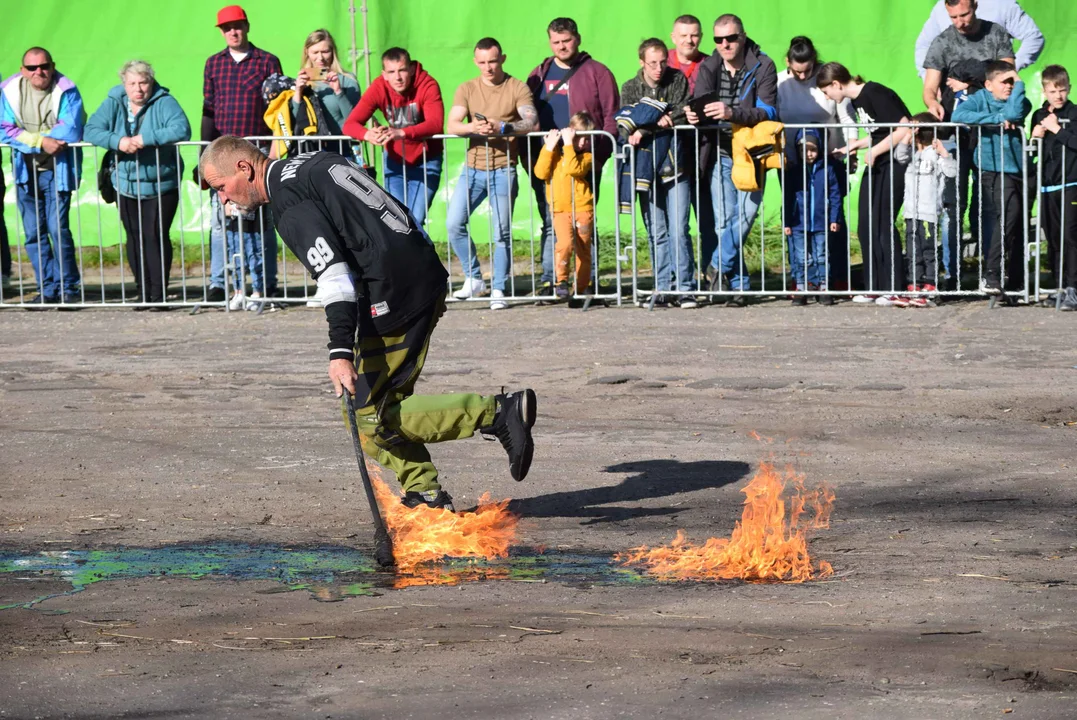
755,150
278,117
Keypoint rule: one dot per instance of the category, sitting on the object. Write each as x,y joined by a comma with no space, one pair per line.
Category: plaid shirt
232,92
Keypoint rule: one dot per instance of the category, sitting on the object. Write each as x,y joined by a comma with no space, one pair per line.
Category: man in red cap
233,105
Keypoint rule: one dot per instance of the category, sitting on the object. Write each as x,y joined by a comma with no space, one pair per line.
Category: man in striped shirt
233,105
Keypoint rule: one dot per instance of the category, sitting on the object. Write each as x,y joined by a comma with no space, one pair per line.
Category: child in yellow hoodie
567,173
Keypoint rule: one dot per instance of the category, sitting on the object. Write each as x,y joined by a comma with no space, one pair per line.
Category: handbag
104,177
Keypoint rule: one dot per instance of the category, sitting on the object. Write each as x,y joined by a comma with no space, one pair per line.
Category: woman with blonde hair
324,81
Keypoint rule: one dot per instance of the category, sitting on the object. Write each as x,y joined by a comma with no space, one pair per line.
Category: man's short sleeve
460,97
936,54
521,95
312,237
1003,42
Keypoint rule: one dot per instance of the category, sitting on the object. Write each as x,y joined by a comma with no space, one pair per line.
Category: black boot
512,426
430,498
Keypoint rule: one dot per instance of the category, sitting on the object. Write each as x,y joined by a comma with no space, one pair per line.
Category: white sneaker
864,299
253,301
497,300
688,302
471,288
238,301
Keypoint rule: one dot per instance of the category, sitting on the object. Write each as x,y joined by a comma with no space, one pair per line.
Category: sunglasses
42,66
730,39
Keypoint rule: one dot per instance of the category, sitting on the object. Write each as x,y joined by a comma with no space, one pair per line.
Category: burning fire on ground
769,544
423,534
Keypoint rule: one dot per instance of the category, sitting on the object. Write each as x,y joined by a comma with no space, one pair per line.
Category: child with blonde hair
565,166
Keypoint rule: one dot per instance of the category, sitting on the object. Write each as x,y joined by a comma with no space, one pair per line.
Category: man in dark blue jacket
741,84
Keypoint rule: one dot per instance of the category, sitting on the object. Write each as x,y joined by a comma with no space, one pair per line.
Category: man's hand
138,141
956,85
1050,123
128,146
1007,125
718,111
1038,131
936,109
377,135
788,231
481,127
834,227
665,121
552,138
52,146
635,138
690,116
342,373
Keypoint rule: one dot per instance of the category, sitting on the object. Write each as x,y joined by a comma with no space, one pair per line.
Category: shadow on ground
649,479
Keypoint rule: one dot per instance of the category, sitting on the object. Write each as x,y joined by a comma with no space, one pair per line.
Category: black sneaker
430,498
713,278
826,299
214,294
512,426
737,301
1069,300
800,300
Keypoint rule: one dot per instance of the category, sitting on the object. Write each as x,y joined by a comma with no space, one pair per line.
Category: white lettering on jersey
320,255
293,165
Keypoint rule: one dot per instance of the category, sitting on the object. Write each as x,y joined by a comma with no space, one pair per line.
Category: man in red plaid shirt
233,105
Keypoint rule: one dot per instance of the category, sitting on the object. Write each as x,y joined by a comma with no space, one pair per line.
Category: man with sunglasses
741,84
41,114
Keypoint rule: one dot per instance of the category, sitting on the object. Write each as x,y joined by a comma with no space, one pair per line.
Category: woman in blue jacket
139,121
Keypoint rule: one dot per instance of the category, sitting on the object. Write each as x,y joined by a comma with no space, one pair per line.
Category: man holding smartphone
737,84
499,106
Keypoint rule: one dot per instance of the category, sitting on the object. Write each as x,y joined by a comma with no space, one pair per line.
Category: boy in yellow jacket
567,174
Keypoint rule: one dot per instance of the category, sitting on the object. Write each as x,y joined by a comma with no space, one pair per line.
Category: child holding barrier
1001,107
813,200
1054,123
929,179
566,170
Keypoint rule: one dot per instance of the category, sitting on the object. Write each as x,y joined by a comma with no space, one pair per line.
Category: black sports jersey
338,220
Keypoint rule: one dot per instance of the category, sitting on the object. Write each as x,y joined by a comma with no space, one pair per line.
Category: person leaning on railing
138,121
1001,107
1054,123
41,115
410,100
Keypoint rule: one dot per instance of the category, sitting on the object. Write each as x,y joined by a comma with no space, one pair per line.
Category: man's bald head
234,168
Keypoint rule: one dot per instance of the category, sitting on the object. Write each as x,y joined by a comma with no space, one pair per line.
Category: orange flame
424,534
767,545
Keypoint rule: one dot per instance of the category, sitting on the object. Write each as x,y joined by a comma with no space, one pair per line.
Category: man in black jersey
384,288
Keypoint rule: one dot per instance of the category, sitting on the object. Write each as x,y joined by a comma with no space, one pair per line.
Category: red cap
229,14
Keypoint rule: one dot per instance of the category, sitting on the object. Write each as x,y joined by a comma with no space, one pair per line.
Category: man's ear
246,169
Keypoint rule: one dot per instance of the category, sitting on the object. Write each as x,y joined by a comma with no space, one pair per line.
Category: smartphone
480,117
697,104
317,74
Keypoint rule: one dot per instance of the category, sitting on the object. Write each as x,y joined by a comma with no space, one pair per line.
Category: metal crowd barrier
754,261
760,251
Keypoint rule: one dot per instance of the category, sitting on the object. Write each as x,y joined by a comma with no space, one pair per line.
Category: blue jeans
548,240
474,186
734,215
45,213
218,240
248,246
665,215
810,252
413,185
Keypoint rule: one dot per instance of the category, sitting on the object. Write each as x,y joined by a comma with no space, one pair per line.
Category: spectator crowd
563,123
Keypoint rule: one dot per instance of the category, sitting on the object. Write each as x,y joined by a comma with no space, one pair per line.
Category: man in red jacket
410,100
564,84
